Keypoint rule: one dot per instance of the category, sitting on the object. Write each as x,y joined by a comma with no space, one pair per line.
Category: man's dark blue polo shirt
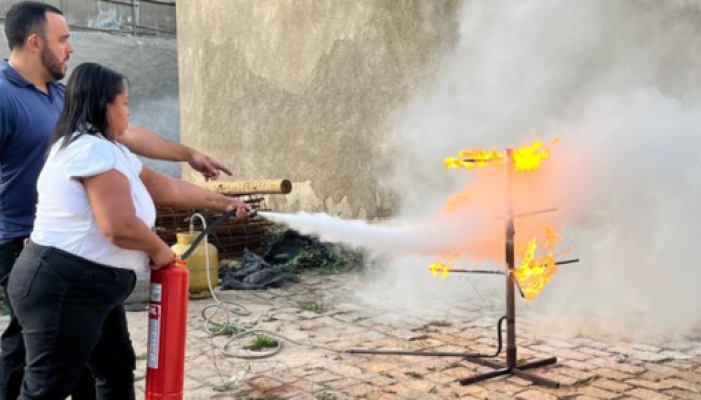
27,120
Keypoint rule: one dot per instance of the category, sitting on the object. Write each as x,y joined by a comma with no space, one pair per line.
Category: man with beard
31,101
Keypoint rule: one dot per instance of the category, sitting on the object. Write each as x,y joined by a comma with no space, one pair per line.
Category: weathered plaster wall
303,89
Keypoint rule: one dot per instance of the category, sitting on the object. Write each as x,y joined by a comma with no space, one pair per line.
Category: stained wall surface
305,90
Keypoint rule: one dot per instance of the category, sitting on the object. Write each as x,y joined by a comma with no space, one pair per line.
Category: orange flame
525,158
537,265
443,265
475,158
456,201
440,268
534,273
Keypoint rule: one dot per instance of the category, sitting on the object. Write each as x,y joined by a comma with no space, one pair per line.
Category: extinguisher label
156,292
154,333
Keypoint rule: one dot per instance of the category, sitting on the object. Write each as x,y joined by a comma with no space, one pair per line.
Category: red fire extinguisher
167,328
167,323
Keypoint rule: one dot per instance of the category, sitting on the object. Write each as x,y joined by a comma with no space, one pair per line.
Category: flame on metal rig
475,158
535,271
443,265
536,265
454,203
525,158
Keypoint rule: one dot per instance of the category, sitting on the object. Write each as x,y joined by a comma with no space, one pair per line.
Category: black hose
206,232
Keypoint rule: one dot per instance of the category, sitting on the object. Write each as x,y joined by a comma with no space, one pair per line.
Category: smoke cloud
620,84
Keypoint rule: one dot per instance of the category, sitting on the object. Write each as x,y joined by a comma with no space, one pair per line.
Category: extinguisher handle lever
176,262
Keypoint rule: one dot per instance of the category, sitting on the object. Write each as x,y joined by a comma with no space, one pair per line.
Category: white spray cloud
619,82
392,239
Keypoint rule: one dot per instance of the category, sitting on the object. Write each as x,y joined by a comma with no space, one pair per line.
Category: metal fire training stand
511,367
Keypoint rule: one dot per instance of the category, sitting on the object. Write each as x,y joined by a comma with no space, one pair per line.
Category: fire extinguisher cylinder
167,329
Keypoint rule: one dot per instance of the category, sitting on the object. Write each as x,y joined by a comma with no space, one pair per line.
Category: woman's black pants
71,314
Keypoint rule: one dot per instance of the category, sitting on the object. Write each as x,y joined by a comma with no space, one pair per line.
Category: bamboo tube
272,186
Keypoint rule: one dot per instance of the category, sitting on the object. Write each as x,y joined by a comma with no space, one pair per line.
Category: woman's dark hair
90,89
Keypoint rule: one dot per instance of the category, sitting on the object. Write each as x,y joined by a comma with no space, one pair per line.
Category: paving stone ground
318,312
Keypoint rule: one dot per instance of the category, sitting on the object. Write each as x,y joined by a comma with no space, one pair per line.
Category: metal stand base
501,370
511,367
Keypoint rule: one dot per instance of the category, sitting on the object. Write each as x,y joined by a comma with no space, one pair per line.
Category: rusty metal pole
511,356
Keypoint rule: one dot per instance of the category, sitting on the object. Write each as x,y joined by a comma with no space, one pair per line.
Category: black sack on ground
286,246
254,274
296,252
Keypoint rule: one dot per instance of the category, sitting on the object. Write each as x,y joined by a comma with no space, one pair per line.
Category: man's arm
147,144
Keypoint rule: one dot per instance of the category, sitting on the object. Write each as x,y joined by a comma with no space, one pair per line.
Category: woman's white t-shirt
65,219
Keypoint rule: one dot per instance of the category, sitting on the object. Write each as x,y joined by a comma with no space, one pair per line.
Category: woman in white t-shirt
93,229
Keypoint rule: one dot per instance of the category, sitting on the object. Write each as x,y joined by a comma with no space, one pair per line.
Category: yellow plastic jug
196,263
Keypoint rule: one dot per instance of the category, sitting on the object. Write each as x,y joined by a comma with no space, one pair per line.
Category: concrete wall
305,89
